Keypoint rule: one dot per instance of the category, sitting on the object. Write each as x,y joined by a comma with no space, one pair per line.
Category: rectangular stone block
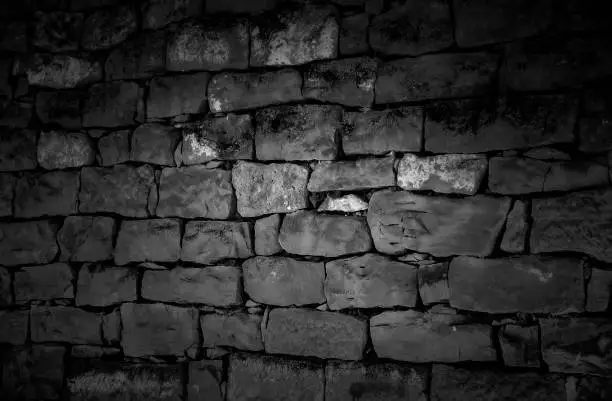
237,330
520,345
266,235
159,13
138,57
433,283
155,240
43,283
28,242
7,194
208,242
14,325
114,148
17,149
112,104
352,175
175,95
86,238
62,71
99,285
47,194
59,150
155,144
517,226
599,290
65,324
60,107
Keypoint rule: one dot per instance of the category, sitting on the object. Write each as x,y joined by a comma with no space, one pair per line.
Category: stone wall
266,200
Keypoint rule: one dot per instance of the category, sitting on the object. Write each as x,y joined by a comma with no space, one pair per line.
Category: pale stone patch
347,203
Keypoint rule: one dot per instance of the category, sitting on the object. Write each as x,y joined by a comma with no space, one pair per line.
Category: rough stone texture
481,22
258,377
138,57
158,13
6,296
211,45
94,352
57,150
517,175
577,345
546,153
47,194
153,240
573,222
347,204
380,381
517,226
273,188
62,71
599,290
353,35
204,380
594,128
121,189
28,242
114,148
520,345
370,281
300,132
433,283
43,283
57,31
428,337
237,330
105,285
314,333
107,27
248,90
352,175
210,285
435,76
65,324
154,143
195,192
266,235
207,242
481,125
177,94
17,150
112,104
588,388
111,327
456,383
17,114
412,28
450,173
309,233
283,281
60,107
14,325
294,34
86,238
441,226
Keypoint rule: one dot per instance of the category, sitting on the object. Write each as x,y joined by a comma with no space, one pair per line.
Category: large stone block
266,235
109,26
138,57
112,104
114,148
155,144
43,283
57,31
599,290
237,330
65,324
517,227
58,150
269,188
154,240
520,345
86,238
47,194
207,242
283,281
99,285
309,233
17,150
433,283
435,76
174,95
31,242
14,325
364,173
60,107
307,332
62,71
158,13
401,221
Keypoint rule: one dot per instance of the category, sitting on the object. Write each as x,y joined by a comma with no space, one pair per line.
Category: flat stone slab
62,71
310,233
370,281
114,148
58,150
109,26
86,238
153,240
352,175
177,94
433,283
47,194
112,104
266,235
18,150
283,281
65,324
28,243
139,57
43,283
154,143
315,333
517,227
269,188
520,345
401,221
348,204
62,107
237,330
208,242
99,285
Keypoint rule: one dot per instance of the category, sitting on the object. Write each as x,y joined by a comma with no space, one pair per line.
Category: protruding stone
65,324
237,330
440,226
266,235
153,240
450,173
207,242
107,27
599,291
138,57
353,35
114,148
57,31
62,71
159,13
14,325
433,283
60,107
106,285
17,150
47,194
352,175
515,233
178,94
154,143
57,150
28,242
112,104
43,283
347,204
520,345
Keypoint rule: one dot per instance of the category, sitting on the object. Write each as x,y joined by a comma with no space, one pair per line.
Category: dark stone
27,243
62,71
599,290
353,35
17,150
13,36
80,5
237,330
99,285
47,194
138,57
207,242
94,352
60,107
239,6
111,327
517,227
588,388
112,104
594,128
43,283
153,240
7,194
6,285
114,148
65,324
14,325
205,380
520,345
158,13
57,31
107,27
547,153
86,238
178,94
266,235
58,150
16,115
155,144
433,283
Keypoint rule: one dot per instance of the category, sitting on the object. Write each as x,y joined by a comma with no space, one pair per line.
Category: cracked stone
237,330
207,242
178,94
517,227
266,235
114,148
99,285
520,345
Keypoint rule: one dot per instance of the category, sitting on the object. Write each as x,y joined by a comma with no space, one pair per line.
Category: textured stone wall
265,200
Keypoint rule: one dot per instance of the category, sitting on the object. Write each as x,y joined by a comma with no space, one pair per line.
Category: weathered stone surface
520,345
573,222
529,284
455,383
154,143
314,333
6,285
599,290
577,345
294,34
14,325
508,123
114,148
93,351
269,188
594,128
111,327
16,114
195,191
13,36
99,285
177,94
429,337
65,324
283,281
121,189
86,238
62,71
211,285
450,173
412,28
380,381
57,150
266,235
441,226
43,283
547,153
237,330
153,240
309,233
300,132
254,376
588,388
138,57
157,329
207,242
17,150
205,378
433,283
60,107
353,35
107,27
31,242
352,175
515,232
435,76
57,31
47,194
112,104
235,91
347,204
214,44
481,22
369,281
158,13
33,372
